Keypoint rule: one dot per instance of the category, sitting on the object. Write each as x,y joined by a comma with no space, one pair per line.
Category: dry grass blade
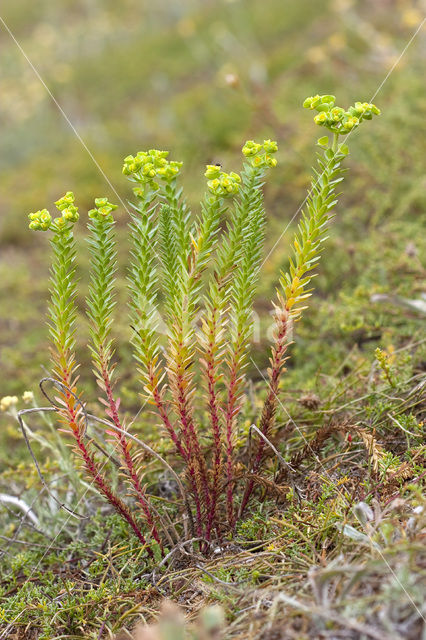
374,449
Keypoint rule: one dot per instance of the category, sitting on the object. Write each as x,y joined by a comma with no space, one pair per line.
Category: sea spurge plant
100,307
192,284
61,317
294,289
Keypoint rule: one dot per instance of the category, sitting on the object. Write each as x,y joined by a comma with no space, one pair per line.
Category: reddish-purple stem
217,436
191,440
92,467
269,409
231,410
162,411
126,453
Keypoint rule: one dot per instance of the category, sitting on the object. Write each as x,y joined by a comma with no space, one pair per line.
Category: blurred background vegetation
199,78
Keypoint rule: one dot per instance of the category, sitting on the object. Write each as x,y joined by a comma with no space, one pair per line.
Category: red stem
162,411
211,368
118,505
92,467
195,460
269,409
124,445
231,410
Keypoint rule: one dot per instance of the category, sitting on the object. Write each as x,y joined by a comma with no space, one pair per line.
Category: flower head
212,171
131,165
139,192
7,402
40,220
312,102
103,210
337,119
60,223
27,397
251,148
337,114
67,207
320,118
350,123
222,184
260,154
147,165
65,201
70,213
270,146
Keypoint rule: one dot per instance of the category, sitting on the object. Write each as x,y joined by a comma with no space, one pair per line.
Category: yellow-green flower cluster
40,220
147,165
66,206
103,210
220,183
260,154
138,191
336,119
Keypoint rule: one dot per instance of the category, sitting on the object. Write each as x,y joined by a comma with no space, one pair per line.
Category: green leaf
323,107
322,142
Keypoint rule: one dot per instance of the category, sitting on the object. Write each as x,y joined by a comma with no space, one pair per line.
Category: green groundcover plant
199,277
